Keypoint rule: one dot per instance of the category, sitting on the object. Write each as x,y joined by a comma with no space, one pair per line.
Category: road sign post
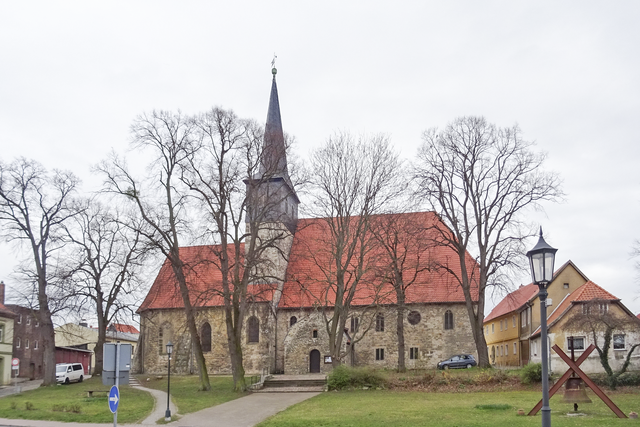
114,399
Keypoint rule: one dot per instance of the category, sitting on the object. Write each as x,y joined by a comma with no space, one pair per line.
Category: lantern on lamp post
167,414
541,259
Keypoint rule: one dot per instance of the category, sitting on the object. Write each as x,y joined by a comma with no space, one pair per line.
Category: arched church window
293,320
448,319
165,334
253,329
414,317
205,337
380,322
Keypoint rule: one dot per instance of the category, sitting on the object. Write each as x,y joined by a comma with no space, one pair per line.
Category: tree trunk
191,324
400,330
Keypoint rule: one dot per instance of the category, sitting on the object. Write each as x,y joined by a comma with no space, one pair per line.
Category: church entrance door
314,362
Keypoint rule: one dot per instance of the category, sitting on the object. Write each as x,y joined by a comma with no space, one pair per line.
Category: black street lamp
541,258
167,414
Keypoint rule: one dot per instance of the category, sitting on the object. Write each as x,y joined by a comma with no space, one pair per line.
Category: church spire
274,160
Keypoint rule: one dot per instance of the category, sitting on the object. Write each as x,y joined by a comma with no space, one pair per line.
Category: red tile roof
513,301
587,292
119,327
203,277
309,262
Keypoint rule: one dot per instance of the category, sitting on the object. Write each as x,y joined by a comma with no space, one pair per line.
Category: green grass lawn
69,403
411,409
185,393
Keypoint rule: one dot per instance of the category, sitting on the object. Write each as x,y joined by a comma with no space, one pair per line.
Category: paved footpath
244,412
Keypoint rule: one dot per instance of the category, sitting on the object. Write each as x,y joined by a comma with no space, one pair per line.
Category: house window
35,345
37,323
28,320
19,319
26,343
314,334
414,317
413,353
379,353
1,333
506,349
293,320
18,342
448,319
618,342
578,343
515,348
380,322
493,328
501,325
534,348
205,337
253,330
514,320
354,325
565,285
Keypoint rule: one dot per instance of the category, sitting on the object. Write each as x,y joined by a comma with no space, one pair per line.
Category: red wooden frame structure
574,367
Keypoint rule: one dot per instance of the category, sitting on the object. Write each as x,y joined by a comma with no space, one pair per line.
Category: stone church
284,330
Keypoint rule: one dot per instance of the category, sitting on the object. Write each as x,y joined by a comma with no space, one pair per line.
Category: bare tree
601,321
351,179
104,275
481,179
169,138
34,206
405,252
240,219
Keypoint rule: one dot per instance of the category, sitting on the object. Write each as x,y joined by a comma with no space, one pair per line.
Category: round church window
414,317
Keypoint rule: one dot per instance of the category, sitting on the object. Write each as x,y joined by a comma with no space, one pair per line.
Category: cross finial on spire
273,64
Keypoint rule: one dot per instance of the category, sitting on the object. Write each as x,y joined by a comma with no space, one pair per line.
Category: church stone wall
256,355
429,336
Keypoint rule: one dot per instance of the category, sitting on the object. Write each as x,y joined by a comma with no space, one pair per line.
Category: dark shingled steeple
270,193
274,161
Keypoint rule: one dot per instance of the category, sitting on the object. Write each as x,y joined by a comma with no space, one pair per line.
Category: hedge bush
531,373
344,377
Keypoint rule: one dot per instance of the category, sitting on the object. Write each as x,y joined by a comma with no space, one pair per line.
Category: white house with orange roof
590,300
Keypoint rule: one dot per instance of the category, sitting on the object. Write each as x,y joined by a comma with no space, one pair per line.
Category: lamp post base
167,415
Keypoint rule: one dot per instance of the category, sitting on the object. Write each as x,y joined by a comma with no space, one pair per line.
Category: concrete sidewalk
244,412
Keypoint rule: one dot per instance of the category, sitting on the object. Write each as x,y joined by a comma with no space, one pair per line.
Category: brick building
285,331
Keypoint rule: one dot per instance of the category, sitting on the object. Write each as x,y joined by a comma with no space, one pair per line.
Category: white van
67,372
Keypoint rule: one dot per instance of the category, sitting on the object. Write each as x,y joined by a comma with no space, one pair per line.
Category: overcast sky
73,76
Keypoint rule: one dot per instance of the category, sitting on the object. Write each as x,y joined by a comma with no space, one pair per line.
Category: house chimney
2,293
84,323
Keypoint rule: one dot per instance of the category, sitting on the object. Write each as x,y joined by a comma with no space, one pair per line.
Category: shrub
28,406
344,377
531,373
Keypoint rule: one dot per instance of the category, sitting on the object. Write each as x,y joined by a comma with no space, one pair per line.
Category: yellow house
593,301
511,323
83,337
502,327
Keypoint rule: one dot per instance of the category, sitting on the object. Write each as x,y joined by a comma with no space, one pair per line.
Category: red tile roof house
590,297
284,328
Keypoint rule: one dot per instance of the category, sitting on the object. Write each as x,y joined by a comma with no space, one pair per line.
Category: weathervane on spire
273,64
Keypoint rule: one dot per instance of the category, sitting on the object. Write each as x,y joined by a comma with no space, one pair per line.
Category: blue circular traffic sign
114,399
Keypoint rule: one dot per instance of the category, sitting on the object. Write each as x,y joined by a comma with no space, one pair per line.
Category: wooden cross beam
563,379
574,367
